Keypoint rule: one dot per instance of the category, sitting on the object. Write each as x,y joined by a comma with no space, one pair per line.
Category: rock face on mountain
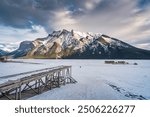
3,53
23,49
77,45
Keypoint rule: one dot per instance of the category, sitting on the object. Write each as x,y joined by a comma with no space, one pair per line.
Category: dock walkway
37,83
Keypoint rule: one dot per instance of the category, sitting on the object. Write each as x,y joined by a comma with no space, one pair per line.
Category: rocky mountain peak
80,45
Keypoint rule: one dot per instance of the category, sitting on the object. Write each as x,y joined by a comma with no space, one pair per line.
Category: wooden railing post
16,94
19,95
58,77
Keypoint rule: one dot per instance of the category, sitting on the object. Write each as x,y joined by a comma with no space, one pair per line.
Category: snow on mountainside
74,44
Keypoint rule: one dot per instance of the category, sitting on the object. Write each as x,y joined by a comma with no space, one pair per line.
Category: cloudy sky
127,20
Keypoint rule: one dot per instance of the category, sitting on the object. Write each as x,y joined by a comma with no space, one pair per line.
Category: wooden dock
34,84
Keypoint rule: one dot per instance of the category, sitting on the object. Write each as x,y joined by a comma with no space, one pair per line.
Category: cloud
91,4
9,46
144,46
10,34
19,13
63,19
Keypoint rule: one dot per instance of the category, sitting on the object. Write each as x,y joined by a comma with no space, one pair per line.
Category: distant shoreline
11,61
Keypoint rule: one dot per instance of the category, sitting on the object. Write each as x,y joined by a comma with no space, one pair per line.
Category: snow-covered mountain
77,45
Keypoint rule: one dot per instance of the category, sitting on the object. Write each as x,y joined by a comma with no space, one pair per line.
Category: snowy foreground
96,80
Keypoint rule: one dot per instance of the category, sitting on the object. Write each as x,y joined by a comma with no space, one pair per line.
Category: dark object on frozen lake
122,62
135,64
116,62
109,62
3,59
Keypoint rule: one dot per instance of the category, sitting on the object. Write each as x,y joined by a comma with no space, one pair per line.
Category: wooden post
64,78
16,94
70,71
67,74
19,95
50,82
39,86
46,80
58,77
36,84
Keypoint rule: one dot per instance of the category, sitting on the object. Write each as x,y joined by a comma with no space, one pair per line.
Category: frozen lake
96,80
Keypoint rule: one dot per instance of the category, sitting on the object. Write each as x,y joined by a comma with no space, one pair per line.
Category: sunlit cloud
63,19
91,4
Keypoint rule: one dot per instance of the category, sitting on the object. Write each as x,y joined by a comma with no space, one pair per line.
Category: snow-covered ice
96,80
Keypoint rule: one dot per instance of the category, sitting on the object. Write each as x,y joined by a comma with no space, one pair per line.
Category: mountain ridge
77,45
